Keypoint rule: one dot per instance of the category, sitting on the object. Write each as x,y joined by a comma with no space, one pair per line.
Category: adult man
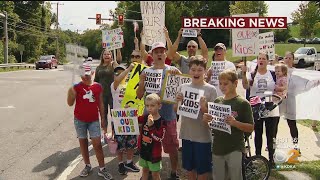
170,141
192,48
219,63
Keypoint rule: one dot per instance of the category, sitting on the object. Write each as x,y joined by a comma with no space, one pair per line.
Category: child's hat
87,68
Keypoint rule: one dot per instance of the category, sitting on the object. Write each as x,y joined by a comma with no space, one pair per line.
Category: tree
245,7
307,16
281,35
92,39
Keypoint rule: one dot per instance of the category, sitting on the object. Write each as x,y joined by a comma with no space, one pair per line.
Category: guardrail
17,65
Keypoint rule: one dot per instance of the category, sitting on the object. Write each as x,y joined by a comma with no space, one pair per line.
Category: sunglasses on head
218,48
191,46
135,56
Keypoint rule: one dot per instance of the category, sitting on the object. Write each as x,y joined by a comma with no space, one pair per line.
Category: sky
74,15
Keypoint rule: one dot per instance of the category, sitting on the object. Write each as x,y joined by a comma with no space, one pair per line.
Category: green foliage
282,35
92,40
245,7
307,16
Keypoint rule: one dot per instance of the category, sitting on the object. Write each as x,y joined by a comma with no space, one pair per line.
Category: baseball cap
87,68
220,45
157,45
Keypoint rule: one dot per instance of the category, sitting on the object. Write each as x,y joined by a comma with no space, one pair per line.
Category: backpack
253,76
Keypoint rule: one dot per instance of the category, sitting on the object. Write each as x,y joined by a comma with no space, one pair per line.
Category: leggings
270,123
293,130
107,101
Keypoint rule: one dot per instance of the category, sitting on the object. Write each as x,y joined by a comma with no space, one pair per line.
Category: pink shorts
170,141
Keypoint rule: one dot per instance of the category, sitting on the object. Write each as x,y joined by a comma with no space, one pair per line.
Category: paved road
36,134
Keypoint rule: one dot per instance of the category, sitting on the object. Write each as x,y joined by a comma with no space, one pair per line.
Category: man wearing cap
219,64
147,56
89,104
170,141
192,48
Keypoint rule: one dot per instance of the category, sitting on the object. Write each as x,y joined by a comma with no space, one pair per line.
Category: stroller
262,106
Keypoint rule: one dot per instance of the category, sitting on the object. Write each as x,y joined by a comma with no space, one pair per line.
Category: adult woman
287,108
105,75
260,81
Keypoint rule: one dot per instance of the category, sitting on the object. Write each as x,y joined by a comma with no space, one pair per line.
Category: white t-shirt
262,83
117,95
217,67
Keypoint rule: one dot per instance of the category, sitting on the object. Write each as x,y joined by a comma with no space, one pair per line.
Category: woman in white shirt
259,81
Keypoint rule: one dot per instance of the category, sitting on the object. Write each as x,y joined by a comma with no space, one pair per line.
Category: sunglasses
191,46
135,56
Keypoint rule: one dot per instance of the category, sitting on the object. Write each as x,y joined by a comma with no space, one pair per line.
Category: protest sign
153,80
125,121
130,96
219,112
190,105
75,54
112,39
153,16
266,43
189,33
245,40
171,83
217,67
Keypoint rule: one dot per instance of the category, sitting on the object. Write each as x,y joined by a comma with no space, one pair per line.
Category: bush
12,59
32,60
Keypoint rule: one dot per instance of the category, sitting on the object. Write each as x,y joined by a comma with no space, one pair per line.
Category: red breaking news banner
234,22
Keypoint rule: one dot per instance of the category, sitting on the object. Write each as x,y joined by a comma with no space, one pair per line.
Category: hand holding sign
230,120
203,102
207,118
180,32
150,120
179,97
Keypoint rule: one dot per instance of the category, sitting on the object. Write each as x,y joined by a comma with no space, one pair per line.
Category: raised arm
71,96
121,76
202,44
245,82
119,56
144,53
176,57
136,44
141,89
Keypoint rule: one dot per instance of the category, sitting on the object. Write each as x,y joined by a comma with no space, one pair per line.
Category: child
281,88
151,136
125,142
195,134
241,121
89,104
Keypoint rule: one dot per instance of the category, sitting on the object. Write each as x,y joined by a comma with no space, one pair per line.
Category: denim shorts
82,129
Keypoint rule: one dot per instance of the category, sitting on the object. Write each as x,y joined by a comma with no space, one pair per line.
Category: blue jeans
82,129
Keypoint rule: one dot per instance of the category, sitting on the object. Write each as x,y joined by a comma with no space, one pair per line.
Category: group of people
202,147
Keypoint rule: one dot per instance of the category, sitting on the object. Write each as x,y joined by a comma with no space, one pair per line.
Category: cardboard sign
153,80
217,67
112,39
219,112
153,16
171,84
189,33
190,105
245,41
130,96
266,43
125,121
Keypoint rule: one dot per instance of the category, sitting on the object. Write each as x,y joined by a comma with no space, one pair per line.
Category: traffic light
120,20
98,18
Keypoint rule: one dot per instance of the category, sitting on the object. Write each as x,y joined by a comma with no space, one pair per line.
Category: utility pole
5,29
57,29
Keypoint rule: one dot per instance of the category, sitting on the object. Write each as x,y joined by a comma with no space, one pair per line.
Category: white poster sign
217,67
112,39
125,121
153,80
266,43
189,33
245,40
190,105
219,112
153,16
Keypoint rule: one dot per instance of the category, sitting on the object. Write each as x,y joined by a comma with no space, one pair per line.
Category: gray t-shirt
184,64
195,129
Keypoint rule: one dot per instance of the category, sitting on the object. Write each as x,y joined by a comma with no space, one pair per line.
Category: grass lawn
280,50
309,167
308,123
13,69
